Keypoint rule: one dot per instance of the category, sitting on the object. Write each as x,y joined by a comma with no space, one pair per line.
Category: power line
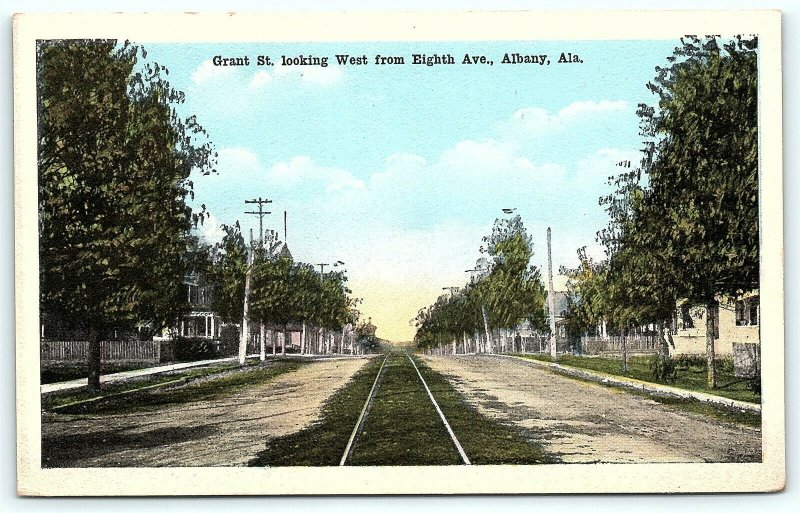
261,213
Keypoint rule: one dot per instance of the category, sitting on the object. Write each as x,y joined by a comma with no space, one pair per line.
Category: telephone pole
261,213
551,300
322,270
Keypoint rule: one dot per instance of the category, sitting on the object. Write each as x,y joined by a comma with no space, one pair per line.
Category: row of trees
505,291
684,224
282,292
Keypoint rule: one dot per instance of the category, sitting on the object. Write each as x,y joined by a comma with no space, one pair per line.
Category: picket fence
635,344
110,350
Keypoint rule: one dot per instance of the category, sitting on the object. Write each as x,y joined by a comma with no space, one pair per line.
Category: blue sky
399,170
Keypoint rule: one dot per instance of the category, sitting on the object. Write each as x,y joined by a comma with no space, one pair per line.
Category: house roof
284,252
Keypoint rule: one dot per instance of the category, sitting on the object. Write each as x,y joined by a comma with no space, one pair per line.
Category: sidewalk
122,376
635,384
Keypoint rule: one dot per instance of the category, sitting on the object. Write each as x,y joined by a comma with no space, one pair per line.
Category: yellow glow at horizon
392,306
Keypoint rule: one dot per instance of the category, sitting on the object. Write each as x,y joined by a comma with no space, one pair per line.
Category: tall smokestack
284,226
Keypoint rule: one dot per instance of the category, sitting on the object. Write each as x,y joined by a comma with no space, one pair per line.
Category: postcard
309,253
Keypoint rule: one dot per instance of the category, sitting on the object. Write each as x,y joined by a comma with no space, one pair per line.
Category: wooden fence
635,344
110,350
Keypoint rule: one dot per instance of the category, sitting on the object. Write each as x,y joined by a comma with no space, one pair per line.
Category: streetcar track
460,449
360,422
370,398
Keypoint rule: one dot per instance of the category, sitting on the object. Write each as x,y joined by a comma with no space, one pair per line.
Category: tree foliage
509,289
685,224
114,161
284,292
228,269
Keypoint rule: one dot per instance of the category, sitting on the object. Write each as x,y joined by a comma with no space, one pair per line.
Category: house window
686,317
747,311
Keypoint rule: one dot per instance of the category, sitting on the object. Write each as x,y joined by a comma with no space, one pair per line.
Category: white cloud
606,162
206,71
259,79
313,74
538,120
211,231
580,108
304,169
485,156
236,159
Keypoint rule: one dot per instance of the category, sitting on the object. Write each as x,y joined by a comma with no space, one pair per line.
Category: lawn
196,384
57,372
689,377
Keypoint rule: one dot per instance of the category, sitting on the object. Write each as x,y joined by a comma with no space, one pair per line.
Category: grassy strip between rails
200,385
486,441
693,377
324,442
747,418
402,427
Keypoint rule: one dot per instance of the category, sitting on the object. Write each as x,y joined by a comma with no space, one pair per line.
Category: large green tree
687,228
512,291
114,161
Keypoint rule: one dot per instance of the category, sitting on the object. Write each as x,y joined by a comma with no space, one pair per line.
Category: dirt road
581,422
228,431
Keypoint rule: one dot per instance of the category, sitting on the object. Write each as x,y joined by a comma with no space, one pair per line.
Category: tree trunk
283,340
262,343
625,349
488,348
710,350
272,340
95,364
303,339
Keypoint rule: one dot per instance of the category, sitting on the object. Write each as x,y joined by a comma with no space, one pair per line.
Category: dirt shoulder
581,422
227,431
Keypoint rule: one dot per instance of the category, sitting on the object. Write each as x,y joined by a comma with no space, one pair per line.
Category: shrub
229,340
663,368
725,364
684,361
754,385
193,349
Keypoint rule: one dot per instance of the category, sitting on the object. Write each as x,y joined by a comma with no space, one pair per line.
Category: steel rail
460,449
362,416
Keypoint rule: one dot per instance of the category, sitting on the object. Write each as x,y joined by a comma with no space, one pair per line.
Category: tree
114,161
227,273
704,172
512,291
688,229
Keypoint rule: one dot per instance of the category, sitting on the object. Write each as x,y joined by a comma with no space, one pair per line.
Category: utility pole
551,300
261,213
246,314
322,270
